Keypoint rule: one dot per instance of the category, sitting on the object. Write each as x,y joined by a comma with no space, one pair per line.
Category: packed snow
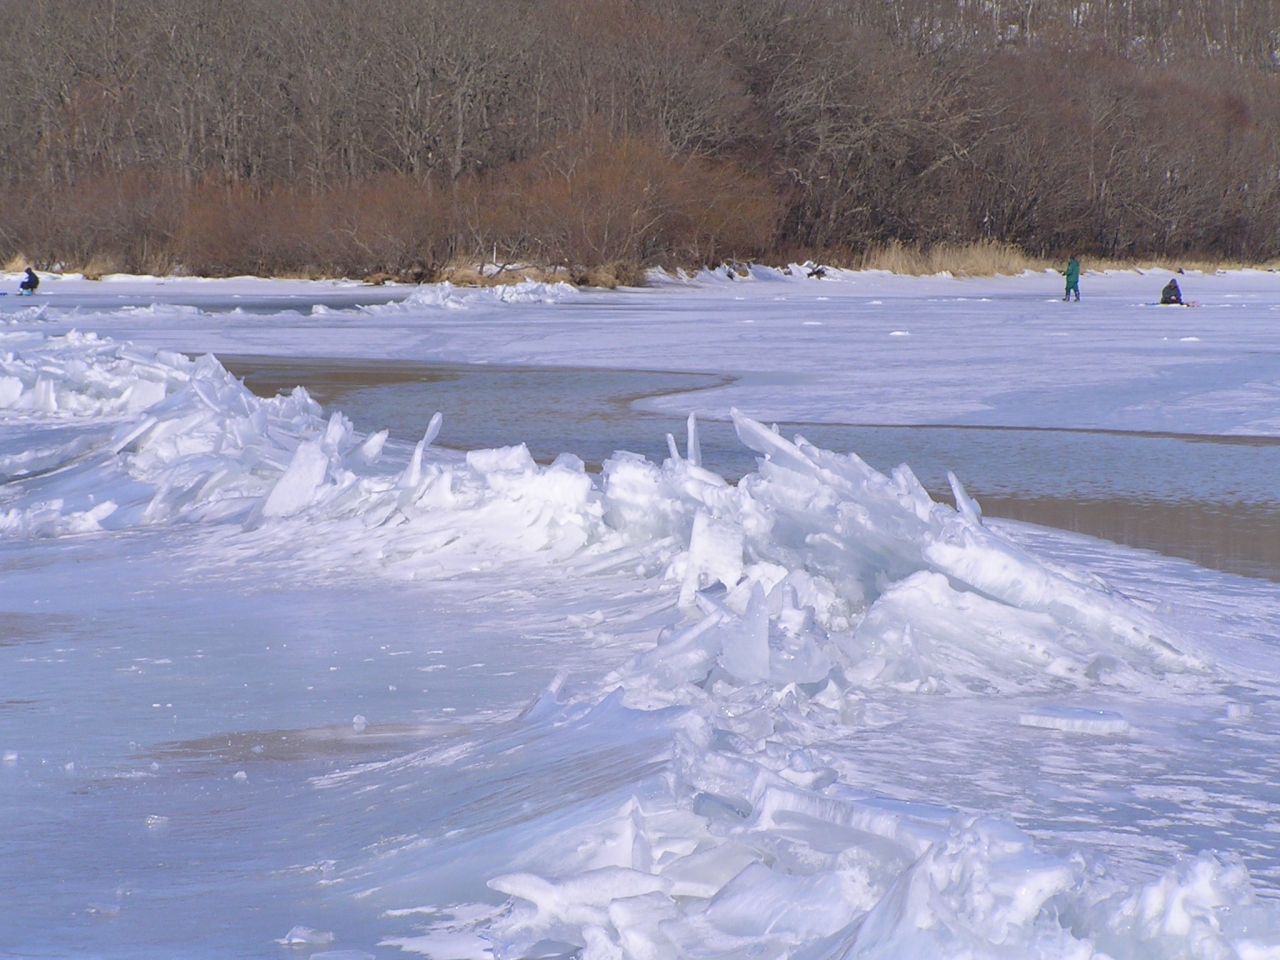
278,683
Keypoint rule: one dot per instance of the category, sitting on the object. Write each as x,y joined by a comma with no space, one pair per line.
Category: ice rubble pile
812,586
709,823
738,843
819,584
204,449
819,559
692,813
149,437
452,297
815,568
80,375
737,273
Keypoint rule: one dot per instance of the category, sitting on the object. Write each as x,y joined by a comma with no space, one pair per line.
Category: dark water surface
1214,500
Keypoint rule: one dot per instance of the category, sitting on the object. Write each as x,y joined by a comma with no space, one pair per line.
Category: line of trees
396,135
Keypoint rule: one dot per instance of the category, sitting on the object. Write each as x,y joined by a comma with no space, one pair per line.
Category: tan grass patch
982,259
99,266
990,258
609,276
1175,264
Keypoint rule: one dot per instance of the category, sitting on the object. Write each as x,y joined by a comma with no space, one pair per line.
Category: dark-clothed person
1073,279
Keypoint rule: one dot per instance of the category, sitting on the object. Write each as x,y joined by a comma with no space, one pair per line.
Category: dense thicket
269,135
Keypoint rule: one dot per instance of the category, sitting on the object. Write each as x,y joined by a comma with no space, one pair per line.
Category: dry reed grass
981,259
610,276
1176,264
99,266
990,259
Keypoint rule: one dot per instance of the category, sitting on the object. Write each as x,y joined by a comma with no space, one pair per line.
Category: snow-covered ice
273,681
1001,350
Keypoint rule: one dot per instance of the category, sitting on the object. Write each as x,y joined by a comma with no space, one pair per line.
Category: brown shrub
597,200
123,221
612,206
388,225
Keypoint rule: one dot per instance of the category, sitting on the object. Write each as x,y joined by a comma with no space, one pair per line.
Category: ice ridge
816,559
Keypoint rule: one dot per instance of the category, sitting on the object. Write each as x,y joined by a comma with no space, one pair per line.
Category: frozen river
267,675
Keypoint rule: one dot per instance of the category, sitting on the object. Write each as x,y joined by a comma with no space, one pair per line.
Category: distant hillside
271,136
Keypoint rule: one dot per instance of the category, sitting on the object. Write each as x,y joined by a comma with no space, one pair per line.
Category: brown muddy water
1212,500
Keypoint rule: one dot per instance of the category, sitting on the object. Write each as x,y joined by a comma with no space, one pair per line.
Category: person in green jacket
1073,278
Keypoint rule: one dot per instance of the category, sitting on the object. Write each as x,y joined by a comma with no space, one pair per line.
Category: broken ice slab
305,936
1075,720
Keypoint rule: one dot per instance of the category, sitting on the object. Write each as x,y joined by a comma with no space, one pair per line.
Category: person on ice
1171,293
29,283
1073,279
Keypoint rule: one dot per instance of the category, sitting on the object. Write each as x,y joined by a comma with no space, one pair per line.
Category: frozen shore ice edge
727,827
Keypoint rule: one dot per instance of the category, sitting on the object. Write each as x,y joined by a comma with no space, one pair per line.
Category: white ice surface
1002,350
813,714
